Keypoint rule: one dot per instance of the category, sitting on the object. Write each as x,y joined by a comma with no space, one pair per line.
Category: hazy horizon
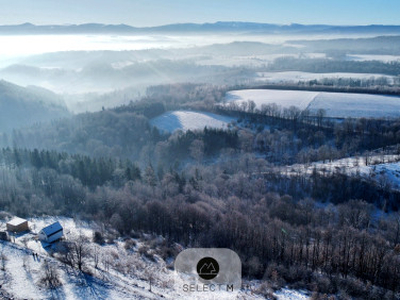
200,23
157,12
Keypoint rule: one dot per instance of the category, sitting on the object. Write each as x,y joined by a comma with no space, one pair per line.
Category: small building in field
17,225
51,233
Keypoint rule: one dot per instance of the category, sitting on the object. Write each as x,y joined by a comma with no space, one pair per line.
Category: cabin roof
51,229
16,221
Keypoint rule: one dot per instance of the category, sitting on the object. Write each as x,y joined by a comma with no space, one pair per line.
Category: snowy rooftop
16,221
52,228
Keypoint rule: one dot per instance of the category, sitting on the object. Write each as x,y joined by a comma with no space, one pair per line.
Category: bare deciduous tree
50,276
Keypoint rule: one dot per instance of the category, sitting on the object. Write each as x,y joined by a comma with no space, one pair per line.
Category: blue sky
158,12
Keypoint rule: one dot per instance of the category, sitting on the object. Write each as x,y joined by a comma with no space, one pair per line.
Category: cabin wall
55,237
20,228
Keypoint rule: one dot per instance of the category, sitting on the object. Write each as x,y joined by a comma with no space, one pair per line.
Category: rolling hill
336,105
21,106
189,120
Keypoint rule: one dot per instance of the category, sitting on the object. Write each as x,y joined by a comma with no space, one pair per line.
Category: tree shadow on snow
57,293
89,287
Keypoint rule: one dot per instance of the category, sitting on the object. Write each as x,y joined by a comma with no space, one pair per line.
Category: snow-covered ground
366,57
122,273
23,271
336,105
387,175
296,76
300,99
189,120
286,294
342,105
383,169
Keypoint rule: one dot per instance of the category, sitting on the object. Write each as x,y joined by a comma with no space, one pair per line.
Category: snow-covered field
342,105
336,105
296,76
300,99
189,120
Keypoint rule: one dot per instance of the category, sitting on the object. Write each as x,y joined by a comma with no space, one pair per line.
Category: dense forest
294,239
332,233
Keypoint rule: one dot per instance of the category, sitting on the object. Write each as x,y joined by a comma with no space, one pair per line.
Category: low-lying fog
25,45
92,71
15,47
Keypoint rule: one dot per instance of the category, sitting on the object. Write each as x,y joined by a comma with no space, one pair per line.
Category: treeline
378,86
44,166
197,144
187,95
330,66
290,135
374,82
333,186
161,98
148,109
103,134
138,142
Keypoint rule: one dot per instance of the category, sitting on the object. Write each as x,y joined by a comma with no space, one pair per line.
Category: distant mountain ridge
97,28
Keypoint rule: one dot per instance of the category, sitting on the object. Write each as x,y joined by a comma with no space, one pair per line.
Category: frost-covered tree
50,276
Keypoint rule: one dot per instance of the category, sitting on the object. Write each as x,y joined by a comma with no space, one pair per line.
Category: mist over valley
279,142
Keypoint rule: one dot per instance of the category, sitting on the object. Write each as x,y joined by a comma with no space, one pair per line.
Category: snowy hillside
189,120
120,269
344,105
382,169
23,272
337,105
386,175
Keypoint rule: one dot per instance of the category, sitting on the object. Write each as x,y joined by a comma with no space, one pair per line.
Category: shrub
98,238
129,244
